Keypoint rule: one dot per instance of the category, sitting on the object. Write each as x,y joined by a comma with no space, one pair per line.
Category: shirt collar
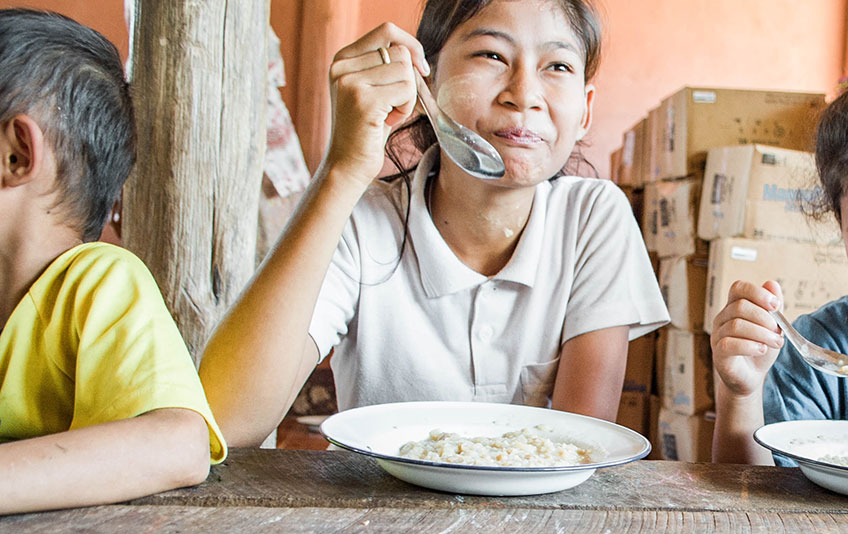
442,273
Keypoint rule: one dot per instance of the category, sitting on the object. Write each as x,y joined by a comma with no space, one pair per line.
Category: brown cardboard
683,282
634,411
631,156
810,275
636,197
688,372
638,376
659,361
628,145
639,154
655,263
695,119
753,191
653,136
615,165
653,428
650,216
685,438
645,159
677,207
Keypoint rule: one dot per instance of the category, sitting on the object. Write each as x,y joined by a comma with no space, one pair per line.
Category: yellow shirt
92,342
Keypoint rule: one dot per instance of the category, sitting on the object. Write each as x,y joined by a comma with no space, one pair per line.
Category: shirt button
485,333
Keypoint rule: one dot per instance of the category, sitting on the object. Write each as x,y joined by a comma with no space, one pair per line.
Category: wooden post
326,26
190,208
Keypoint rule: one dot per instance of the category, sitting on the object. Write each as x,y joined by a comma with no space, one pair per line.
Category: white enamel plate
380,430
819,446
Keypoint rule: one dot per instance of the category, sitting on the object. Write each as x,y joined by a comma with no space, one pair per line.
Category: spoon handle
431,108
789,331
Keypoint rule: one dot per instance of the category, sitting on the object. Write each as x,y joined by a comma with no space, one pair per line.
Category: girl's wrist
341,184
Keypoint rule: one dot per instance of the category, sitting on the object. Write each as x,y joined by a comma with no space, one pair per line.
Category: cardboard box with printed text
696,119
677,207
759,192
683,282
685,438
650,216
688,385
810,275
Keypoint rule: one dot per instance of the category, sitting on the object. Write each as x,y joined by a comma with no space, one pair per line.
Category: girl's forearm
260,354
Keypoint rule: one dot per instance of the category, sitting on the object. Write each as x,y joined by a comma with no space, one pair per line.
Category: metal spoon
822,359
467,149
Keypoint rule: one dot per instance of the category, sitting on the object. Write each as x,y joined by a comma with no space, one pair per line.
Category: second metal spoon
822,359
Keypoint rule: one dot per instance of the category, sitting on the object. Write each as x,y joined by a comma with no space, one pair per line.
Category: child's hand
370,96
745,338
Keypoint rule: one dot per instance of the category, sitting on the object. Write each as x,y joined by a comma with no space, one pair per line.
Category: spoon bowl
824,360
467,149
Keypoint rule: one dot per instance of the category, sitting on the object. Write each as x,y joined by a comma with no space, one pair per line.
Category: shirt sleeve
614,283
131,358
339,294
794,390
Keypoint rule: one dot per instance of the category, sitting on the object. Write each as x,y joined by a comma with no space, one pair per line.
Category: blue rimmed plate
819,446
380,430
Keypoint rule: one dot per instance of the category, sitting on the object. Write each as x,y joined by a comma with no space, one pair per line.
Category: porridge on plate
834,459
523,448
823,448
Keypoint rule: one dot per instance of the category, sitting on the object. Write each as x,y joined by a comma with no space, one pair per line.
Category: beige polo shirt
423,326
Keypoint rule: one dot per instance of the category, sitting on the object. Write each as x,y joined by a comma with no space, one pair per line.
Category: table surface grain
259,490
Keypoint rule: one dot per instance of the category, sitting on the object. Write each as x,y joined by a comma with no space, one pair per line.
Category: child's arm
745,342
261,353
591,373
106,463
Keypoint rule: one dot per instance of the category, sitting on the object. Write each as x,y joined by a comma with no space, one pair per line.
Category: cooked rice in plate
523,448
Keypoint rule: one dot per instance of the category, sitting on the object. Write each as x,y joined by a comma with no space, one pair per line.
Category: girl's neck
481,223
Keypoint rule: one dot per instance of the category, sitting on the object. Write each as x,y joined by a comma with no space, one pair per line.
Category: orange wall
107,16
653,47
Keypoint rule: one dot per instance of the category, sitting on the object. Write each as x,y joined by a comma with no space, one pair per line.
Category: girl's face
514,73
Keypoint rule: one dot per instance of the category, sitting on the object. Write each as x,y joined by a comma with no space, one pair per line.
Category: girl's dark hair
832,156
70,79
438,21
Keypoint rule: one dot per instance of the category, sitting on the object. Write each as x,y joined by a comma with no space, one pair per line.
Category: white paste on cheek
458,93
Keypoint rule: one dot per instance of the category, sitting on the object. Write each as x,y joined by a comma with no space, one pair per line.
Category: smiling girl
442,286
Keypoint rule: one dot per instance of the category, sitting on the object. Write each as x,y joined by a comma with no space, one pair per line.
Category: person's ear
586,120
24,154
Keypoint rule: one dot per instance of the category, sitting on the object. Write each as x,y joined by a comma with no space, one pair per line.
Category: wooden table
339,491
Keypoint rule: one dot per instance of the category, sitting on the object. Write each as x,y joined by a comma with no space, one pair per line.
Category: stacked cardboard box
753,213
687,202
